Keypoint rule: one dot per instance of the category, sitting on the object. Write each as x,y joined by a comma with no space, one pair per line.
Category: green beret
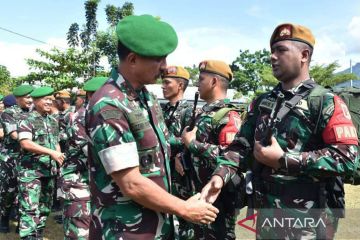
42,92
147,36
22,90
94,84
1,97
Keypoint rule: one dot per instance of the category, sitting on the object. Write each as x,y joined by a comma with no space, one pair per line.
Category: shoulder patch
110,114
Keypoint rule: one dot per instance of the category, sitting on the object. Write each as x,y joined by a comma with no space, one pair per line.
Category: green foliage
73,35
5,81
267,78
194,74
248,68
325,74
60,69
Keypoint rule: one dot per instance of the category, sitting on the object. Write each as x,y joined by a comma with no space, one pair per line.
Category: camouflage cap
176,72
217,67
94,84
293,32
62,94
147,35
42,92
23,90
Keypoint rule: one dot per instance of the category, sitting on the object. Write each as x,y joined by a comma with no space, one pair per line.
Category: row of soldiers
149,165
291,143
44,145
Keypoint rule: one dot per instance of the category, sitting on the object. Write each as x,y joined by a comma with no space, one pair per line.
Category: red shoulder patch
340,129
228,132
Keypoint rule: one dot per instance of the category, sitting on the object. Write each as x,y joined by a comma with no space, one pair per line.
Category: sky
210,29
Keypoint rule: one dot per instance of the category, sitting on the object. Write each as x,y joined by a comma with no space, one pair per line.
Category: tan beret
293,32
176,72
80,93
62,94
217,67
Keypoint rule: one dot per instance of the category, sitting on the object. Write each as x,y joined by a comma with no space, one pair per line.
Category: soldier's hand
187,137
212,189
268,155
178,166
198,211
58,156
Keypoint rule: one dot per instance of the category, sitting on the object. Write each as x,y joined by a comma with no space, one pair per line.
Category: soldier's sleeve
112,140
25,130
9,122
339,155
236,155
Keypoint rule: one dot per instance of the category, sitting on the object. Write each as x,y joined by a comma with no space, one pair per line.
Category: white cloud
328,50
354,27
14,55
199,44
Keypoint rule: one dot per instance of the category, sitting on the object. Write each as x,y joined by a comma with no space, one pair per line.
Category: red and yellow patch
340,129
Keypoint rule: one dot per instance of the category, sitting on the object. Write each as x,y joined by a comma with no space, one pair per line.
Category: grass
349,225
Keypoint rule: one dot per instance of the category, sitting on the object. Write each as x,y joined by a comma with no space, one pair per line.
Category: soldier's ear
305,55
131,58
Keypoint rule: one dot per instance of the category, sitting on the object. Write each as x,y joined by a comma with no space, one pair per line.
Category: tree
194,74
60,69
247,70
325,74
5,81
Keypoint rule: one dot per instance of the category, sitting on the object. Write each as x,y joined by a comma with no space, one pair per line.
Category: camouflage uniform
311,162
203,154
11,149
36,173
120,122
176,120
74,180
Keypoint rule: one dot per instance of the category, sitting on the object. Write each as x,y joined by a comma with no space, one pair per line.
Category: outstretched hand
198,211
212,189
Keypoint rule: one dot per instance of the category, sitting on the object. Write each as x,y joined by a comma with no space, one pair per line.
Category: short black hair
122,51
304,46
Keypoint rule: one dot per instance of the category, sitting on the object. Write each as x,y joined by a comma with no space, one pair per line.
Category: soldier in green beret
38,135
10,119
129,154
74,174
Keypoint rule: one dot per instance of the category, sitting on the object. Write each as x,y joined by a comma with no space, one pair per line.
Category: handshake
199,208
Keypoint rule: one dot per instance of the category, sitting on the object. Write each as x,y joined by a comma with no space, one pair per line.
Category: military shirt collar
131,93
214,105
304,84
169,107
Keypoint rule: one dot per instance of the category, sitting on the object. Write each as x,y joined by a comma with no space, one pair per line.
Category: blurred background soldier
74,173
10,119
38,135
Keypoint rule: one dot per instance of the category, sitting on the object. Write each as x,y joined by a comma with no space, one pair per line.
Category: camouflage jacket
310,156
127,129
64,119
10,119
207,147
176,120
76,160
43,130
